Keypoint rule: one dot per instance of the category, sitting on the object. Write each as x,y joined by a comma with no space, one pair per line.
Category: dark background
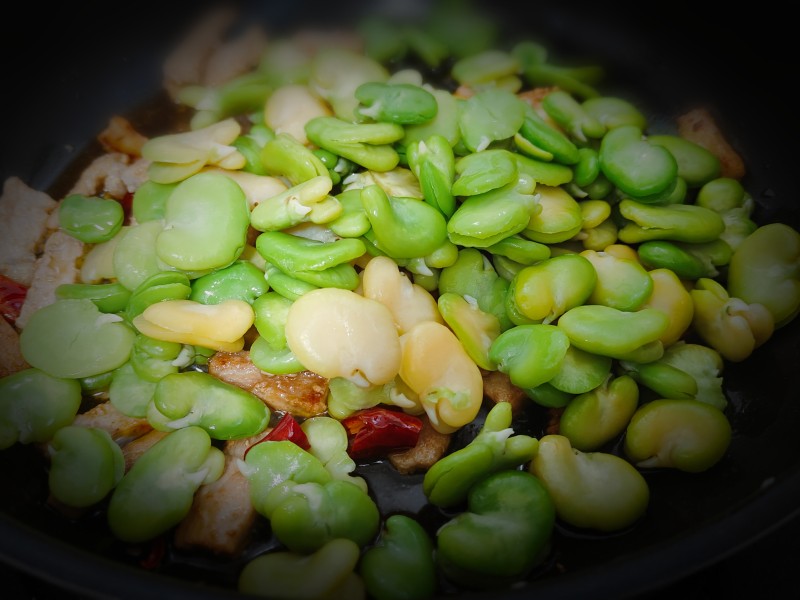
748,55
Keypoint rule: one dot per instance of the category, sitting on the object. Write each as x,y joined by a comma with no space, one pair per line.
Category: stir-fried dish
382,245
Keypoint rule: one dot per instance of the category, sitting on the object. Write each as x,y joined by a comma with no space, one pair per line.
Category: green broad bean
329,442
401,103
90,219
722,194
73,339
251,149
444,124
612,332
594,418
765,269
568,112
663,254
685,435
622,283
587,168
704,364
329,572
545,142
205,223
108,297
305,505
96,383
129,392
485,219
520,250
559,219
156,493
475,329
323,264
346,397
194,398
545,173
148,366
287,286
162,285
433,163
403,227
600,237
578,81
448,482
150,201
293,206
529,354
472,276
580,371
696,165
366,144
662,378
635,166
590,490
546,290
278,361
134,256
548,396
400,565
85,465
484,67
501,536
490,115
285,156
98,262
240,281
353,221
674,222
34,405
613,112
482,172
271,311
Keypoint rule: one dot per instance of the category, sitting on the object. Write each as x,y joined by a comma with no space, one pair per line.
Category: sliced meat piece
120,136
114,174
11,360
122,428
431,446
498,388
24,214
699,126
236,57
534,96
58,264
222,515
303,394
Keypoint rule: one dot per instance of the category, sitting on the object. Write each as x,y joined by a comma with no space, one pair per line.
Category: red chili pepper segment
287,429
375,432
12,296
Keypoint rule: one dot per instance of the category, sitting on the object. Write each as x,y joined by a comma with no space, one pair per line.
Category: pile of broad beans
411,235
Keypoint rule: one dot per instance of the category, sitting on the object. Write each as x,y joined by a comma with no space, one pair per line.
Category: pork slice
133,450
114,174
58,264
11,360
122,428
120,136
24,214
222,514
431,446
498,388
699,126
303,394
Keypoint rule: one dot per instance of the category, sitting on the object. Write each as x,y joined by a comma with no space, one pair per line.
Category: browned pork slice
120,136
114,175
134,449
303,394
699,126
24,213
222,515
431,446
122,428
58,264
498,388
11,360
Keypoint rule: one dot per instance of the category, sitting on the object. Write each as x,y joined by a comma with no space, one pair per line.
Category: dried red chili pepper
287,429
375,432
12,295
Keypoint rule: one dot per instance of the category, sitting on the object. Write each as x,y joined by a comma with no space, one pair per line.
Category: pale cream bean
290,107
409,302
338,333
436,366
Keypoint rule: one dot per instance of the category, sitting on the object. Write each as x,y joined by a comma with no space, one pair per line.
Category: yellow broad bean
436,366
290,107
333,332
671,297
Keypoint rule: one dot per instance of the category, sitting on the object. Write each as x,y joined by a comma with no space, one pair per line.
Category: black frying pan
65,76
